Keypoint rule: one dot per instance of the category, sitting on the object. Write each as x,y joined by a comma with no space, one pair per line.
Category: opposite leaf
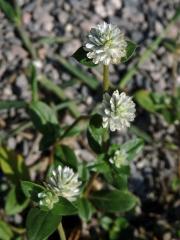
131,47
64,208
114,201
16,201
41,224
81,56
85,209
5,231
31,190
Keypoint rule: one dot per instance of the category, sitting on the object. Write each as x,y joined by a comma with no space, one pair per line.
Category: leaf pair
81,55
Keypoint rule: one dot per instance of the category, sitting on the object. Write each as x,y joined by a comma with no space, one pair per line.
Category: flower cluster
106,44
119,159
47,199
117,111
62,182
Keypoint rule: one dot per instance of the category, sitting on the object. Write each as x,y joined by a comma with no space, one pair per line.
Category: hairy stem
106,77
61,232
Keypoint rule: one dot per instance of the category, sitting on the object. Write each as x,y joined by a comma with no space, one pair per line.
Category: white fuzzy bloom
117,111
106,44
47,199
119,159
64,183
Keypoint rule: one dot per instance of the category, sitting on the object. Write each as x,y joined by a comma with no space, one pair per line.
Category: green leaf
8,104
53,39
81,56
120,181
97,135
5,231
15,201
41,224
42,116
133,147
106,222
118,225
64,208
66,155
83,172
44,120
131,47
85,209
13,166
113,201
9,11
100,166
33,81
140,133
144,98
75,71
79,125
31,190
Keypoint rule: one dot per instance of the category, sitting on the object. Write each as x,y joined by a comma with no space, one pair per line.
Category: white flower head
117,111
47,199
119,159
106,44
64,183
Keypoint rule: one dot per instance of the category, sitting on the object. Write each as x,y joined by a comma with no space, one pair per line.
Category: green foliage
5,231
114,226
113,201
175,184
96,134
81,56
16,202
65,155
131,47
85,209
45,120
8,104
145,100
64,208
10,12
12,165
41,224
133,147
162,103
31,190
83,172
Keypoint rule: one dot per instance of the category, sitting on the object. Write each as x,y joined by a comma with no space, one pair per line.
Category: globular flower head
47,199
106,44
119,159
64,183
117,111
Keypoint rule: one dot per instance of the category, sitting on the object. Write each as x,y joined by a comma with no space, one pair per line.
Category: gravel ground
142,21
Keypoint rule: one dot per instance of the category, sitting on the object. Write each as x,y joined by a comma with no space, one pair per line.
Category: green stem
106,77
26,41
34,83
61,232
